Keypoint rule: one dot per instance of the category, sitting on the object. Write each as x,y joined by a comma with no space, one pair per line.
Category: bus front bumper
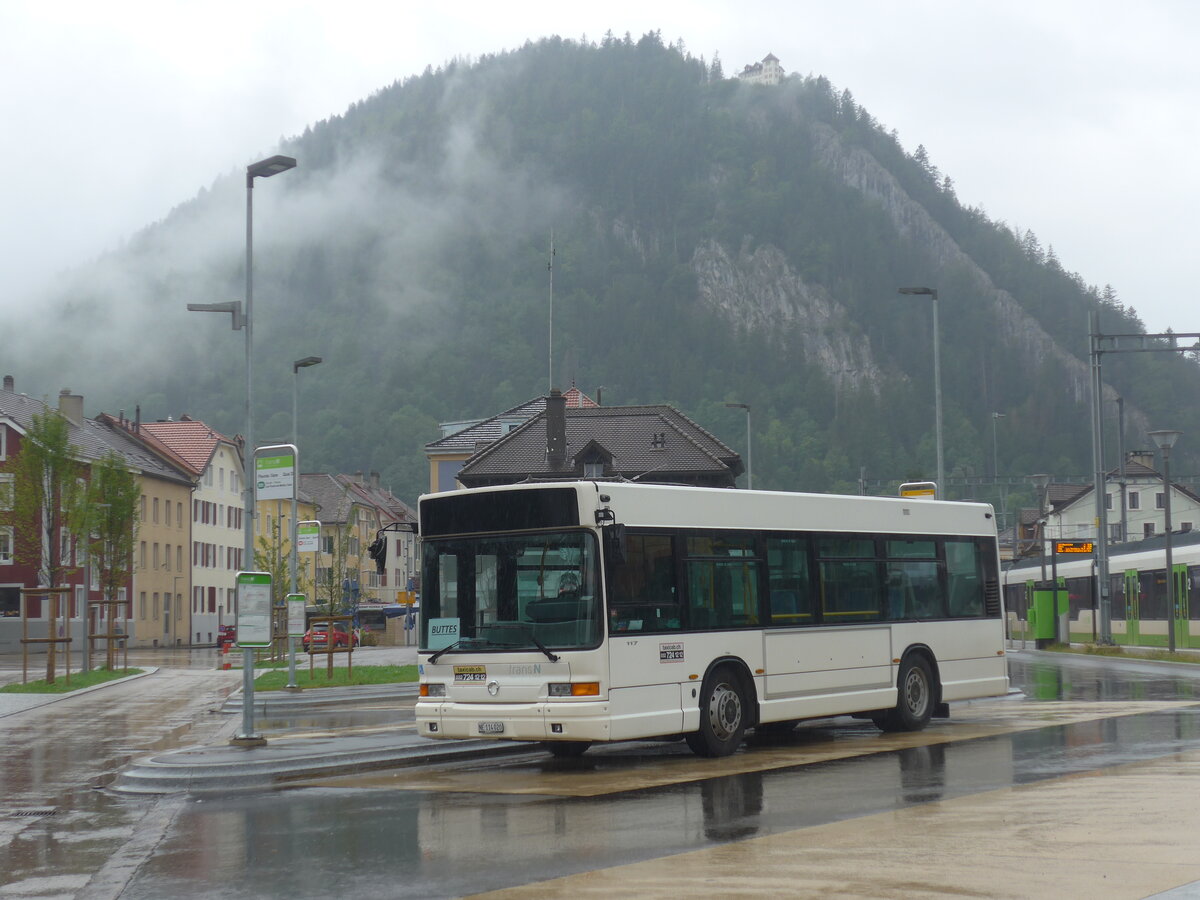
568,720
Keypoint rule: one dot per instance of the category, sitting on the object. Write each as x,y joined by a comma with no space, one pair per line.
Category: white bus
577,612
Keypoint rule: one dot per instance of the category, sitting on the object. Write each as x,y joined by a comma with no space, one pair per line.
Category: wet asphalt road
482,827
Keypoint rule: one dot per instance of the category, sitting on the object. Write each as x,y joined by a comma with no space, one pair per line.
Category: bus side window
723,594
789,582
964,578
643,595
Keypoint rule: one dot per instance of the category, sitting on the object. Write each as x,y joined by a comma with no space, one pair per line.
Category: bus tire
566,749
914,697
723,713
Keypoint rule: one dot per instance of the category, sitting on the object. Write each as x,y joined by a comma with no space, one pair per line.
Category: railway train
1137,592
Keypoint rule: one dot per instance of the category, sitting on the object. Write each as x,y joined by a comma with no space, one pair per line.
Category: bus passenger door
1133,629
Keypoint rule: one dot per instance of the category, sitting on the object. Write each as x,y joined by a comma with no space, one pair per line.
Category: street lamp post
749,455
292,536
243,318
937,379
1165,440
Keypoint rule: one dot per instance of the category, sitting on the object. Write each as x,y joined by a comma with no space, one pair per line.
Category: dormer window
593,470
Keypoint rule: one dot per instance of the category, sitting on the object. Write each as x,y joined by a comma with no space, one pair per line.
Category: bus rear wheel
723,710
566,749
914,698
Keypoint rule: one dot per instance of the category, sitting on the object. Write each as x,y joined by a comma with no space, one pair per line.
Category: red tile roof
192,440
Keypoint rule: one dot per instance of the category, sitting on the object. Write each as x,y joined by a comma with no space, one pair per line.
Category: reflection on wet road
454,831
56,830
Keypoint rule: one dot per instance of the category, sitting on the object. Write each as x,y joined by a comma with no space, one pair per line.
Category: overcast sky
1076,119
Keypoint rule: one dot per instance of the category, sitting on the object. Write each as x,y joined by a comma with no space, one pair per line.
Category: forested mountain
715,241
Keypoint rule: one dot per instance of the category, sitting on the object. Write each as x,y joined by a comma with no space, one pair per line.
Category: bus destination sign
1074,546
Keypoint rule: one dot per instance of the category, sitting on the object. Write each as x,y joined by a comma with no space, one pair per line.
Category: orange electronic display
1074,546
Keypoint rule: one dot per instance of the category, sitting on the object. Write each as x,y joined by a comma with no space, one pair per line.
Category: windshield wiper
449,647
553,657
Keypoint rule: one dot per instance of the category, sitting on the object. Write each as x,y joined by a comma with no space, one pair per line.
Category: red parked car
318,634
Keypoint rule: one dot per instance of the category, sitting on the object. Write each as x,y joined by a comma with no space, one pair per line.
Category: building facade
216,516
769,71
649,443
1135,507
463,439
153,612
352,511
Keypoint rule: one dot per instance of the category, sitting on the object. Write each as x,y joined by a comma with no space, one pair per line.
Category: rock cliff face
760,291
1016,331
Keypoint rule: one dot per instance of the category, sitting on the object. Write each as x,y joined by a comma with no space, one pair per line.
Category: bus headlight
433,690
576,689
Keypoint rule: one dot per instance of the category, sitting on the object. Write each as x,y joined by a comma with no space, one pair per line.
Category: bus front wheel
914,697
723,710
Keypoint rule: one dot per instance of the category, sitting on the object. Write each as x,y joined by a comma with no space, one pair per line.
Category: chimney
9,384
375,480
71,407
1142,457
556,429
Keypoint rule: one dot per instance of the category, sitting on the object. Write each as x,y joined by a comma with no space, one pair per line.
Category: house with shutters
1134,501
215,514
154,613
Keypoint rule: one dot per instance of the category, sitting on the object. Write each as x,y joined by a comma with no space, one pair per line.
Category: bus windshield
529,591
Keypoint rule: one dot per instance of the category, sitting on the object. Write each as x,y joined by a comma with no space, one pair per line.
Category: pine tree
716,72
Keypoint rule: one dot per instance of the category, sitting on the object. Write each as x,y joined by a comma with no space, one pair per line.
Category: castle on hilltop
769,71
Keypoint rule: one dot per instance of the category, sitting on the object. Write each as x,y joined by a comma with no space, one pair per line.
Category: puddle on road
642,766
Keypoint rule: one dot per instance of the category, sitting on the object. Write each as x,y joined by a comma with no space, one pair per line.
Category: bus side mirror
614,544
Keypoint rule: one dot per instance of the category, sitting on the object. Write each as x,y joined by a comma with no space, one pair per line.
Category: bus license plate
491,728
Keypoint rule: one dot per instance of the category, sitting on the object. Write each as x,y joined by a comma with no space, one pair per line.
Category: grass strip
273,681
79,680
1126,652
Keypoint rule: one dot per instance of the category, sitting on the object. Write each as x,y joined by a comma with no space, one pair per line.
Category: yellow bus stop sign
919,489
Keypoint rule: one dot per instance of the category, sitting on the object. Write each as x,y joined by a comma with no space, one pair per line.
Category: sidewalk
11,704
223,767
